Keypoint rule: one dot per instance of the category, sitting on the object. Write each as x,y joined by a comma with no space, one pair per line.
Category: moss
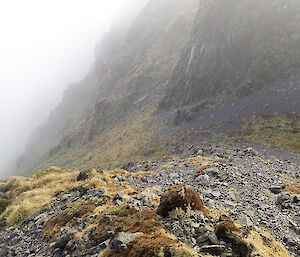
123,211
179,196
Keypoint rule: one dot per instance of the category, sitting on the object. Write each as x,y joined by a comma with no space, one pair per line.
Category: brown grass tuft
201,169
67,217
182,197
225,226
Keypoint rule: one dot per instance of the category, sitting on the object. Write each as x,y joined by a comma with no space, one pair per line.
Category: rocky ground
251,186
257,187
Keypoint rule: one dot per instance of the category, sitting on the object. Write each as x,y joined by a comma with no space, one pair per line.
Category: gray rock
296,199
276,189
283,199
213,249
120,243
216,194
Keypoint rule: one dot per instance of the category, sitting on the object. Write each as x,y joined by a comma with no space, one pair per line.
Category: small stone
65,197
213,249
276,189
194,241
120,243
296,199
195,225
212,171
202,238
216,194
282,199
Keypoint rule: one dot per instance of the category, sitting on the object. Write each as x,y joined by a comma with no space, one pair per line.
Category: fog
45,45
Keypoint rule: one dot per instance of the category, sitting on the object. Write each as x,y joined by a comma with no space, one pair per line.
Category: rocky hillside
176,72
210,200
204,96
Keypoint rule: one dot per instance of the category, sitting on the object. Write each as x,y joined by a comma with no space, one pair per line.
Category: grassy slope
274,130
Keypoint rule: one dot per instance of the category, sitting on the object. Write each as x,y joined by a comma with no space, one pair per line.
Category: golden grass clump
200,170
67,217
292,184
30,195
206,163
158,244
265,245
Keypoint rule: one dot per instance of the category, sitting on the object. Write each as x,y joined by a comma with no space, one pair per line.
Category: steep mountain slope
115,88
182,72
242,59
237,47
169,99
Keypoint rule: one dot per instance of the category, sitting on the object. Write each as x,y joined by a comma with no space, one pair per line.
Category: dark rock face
237,47
179,196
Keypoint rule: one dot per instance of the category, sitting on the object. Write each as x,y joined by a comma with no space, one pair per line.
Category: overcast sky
44,46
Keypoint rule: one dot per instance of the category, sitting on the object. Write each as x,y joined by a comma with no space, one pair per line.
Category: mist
45,46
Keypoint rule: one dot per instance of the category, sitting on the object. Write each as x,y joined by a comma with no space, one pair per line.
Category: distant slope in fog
180,66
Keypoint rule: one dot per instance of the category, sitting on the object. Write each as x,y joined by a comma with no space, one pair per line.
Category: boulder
213,249
120,243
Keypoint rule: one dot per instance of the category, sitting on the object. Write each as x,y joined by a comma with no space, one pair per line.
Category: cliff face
236,48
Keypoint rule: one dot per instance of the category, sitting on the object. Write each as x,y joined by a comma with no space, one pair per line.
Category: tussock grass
292,184
281,131
265,245
28,196
203,160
